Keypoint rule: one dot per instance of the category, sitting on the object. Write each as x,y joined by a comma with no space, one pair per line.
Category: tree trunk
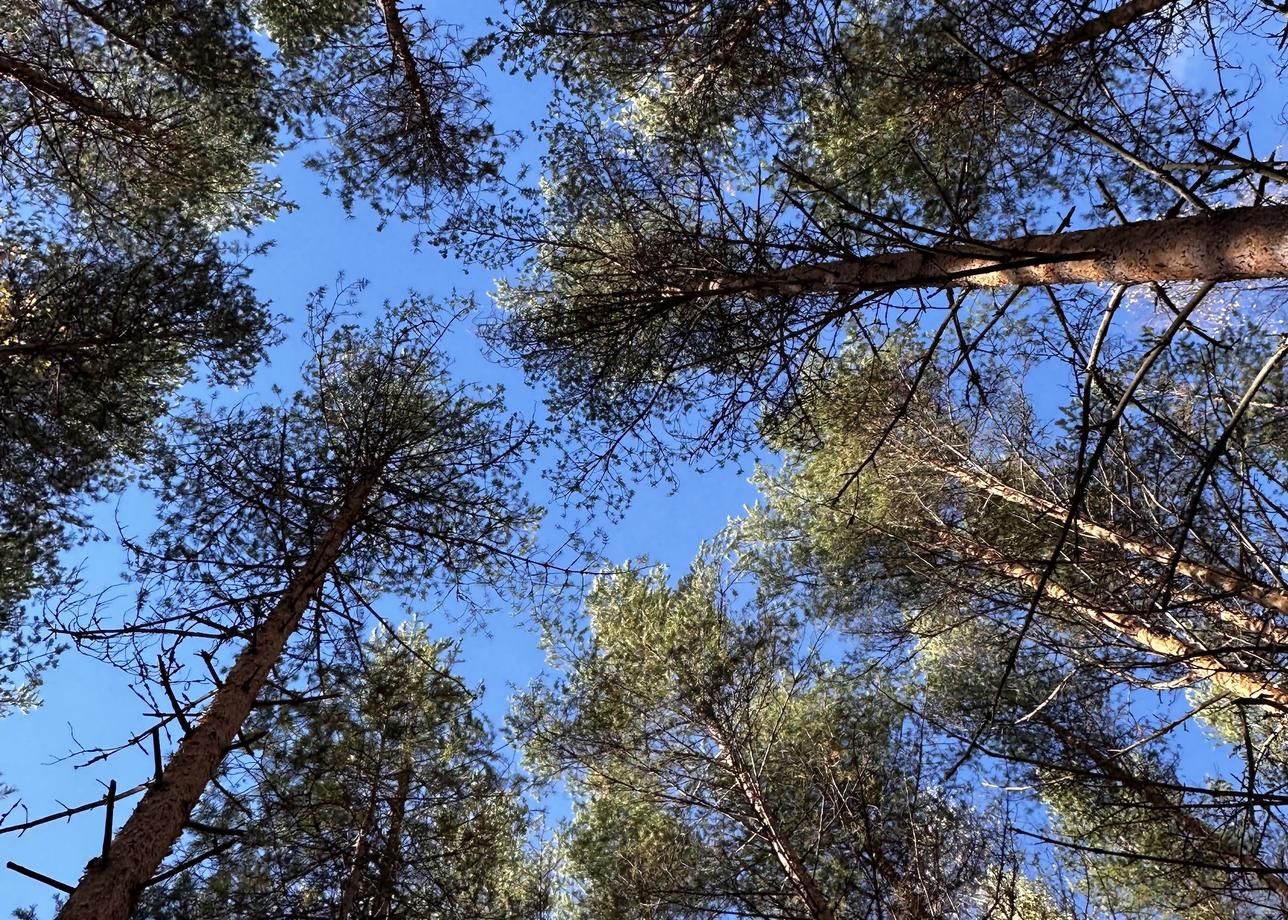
1236,586
16,70
110,887
1225,245
1183,820
400,47
358,859
1119,17
802,882
1160,641
383,908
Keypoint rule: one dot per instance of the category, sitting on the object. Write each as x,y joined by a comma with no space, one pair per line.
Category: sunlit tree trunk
110,887
800,878
1236,586
1226,245
1153,637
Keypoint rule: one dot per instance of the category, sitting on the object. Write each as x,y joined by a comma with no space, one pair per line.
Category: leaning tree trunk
1201,664
1226,245
798,876
1224,580
39,83
1054,49
110,887
1195,828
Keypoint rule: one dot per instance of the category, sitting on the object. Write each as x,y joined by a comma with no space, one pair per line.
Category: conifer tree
383,798
133,136
1053,622
719,765
706,234
382,476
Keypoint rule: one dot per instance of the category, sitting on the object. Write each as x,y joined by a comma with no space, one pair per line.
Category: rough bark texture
110,887
1227,245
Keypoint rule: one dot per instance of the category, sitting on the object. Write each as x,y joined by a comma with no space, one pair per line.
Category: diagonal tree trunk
1185,822
1225,245
1237,586
1154,638
110,887
36,81
1119,17
798,876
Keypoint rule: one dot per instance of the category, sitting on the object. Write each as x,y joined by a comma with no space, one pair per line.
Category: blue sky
312,244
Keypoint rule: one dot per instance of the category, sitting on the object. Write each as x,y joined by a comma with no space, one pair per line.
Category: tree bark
1226,245
110,887
799,877
1160,641
400,46
1236,586
358,860
1119,17
389,859
34,80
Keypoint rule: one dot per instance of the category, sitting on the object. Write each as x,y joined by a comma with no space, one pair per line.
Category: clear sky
312,245
94,701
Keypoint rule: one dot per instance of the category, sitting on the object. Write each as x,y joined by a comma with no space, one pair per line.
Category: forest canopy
987,298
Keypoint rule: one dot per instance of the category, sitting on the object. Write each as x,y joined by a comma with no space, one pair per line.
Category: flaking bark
1227,245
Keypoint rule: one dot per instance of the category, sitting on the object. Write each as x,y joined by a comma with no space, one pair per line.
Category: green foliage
248,489
134,114
701,153
94,341
703,741
382,795
892,530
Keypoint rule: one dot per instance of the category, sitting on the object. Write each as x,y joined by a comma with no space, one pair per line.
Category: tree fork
110,887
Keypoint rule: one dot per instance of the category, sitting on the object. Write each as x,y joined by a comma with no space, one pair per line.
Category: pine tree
720,766
707,234
384,798
383,476
133,134
1052,623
